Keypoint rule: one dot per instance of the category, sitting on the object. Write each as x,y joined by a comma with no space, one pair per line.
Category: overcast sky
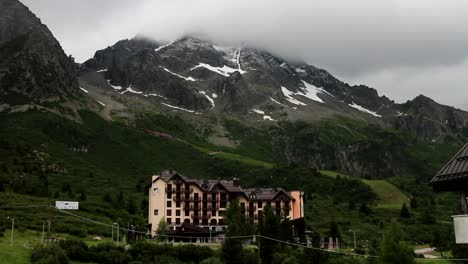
402,48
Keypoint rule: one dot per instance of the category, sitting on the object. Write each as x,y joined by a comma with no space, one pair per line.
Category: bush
75,249
51,254
212,260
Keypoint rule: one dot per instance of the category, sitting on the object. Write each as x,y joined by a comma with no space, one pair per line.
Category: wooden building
453,177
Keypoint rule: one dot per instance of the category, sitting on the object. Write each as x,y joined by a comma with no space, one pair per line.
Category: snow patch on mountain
162,47
291,99
266,117
180,76
157,95
311,92
274,101
209,99
101,103
103,70
130,90
258,111
299,70
214,95
178,108
225,70
116,87
360,108
83,89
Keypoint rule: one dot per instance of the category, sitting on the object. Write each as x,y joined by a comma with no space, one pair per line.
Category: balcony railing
210,207
179,190
192,207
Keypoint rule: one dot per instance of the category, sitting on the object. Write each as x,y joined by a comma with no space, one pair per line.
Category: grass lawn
20,252
390,197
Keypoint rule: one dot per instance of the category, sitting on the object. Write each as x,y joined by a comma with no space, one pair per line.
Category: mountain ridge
197,76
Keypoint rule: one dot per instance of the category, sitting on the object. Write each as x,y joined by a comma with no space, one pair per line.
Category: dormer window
253,196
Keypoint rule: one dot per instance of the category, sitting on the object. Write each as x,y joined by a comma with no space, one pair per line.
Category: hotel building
194,203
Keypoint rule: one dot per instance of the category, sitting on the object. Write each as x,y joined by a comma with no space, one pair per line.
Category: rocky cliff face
200,77
33,66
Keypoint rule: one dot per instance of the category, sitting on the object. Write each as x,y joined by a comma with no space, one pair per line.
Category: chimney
236,182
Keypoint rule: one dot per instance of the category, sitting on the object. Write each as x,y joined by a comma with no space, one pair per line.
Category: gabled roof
453,177
266,194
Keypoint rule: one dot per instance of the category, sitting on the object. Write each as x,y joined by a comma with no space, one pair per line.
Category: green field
389,196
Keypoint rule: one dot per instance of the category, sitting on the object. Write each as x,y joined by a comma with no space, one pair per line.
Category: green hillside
389,196
107,166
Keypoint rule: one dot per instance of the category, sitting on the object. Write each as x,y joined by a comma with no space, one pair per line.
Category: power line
320,249
230,237
22,206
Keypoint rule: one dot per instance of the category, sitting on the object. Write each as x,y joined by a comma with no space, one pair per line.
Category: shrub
50,254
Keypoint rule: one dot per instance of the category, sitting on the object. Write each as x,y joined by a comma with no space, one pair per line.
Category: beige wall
157,201
298,205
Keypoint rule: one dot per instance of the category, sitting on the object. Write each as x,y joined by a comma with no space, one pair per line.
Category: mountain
196,76
33,66
208,112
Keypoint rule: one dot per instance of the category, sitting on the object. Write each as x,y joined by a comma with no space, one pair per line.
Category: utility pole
12,230
354,233
43,229
115,224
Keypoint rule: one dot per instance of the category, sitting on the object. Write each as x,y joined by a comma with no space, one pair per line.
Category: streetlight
12,229
354,233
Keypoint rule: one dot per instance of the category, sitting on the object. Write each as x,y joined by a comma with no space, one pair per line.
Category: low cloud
391,45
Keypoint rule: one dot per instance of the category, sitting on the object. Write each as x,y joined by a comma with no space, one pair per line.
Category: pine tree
404,212
393,249
161,231
334,230
232,248
269,227
413,203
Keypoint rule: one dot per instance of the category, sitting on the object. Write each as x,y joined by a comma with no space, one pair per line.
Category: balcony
184,190
178,199
210,207
192,207
195,216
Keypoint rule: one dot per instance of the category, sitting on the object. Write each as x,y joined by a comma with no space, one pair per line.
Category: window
169,195
187,212
169,213
177,221
177,204
169,204
177,212
156,212
168,220
259,205
213,213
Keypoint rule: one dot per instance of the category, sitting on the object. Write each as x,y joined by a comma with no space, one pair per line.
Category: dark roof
188,228
206,185
266,194
231,186
453,177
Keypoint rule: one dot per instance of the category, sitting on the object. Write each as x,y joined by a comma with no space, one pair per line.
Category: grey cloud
353,39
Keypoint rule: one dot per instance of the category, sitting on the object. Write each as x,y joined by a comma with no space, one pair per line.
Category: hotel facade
196,203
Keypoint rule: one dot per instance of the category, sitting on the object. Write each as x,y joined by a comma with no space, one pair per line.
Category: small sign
66,205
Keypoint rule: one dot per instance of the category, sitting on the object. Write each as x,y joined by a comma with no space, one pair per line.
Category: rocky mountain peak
33,66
